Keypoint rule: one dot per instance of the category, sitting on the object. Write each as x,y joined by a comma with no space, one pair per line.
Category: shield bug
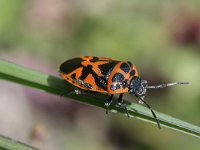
105,75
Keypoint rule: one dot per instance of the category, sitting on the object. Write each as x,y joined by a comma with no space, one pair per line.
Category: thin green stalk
10,144
55,85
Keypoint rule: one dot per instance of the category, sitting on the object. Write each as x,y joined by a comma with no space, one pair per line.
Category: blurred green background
162,38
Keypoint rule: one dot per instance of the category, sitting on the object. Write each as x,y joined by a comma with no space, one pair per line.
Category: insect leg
108,102
63,93
120,103
154,115
120,100
78,91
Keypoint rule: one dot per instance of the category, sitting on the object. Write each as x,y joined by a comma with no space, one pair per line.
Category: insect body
105,75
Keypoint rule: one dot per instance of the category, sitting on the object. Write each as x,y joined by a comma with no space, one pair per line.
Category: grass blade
55,85
10,144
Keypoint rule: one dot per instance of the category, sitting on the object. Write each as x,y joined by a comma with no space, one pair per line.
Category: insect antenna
166,85
154,115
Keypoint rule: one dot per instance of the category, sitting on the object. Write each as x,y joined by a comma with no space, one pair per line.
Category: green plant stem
10,144
55,85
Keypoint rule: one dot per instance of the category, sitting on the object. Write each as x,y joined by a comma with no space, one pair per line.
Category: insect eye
140,91
144,83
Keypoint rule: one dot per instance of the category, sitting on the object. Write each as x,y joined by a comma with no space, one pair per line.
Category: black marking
100,81
94,59
118,77
114,87
132,73
85,72
71,65
125,84
125,67
73,76
107,68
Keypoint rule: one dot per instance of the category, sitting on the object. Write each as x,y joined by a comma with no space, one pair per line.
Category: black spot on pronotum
118,77
132,72
125,67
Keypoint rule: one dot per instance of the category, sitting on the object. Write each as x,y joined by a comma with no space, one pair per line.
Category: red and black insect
105,75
